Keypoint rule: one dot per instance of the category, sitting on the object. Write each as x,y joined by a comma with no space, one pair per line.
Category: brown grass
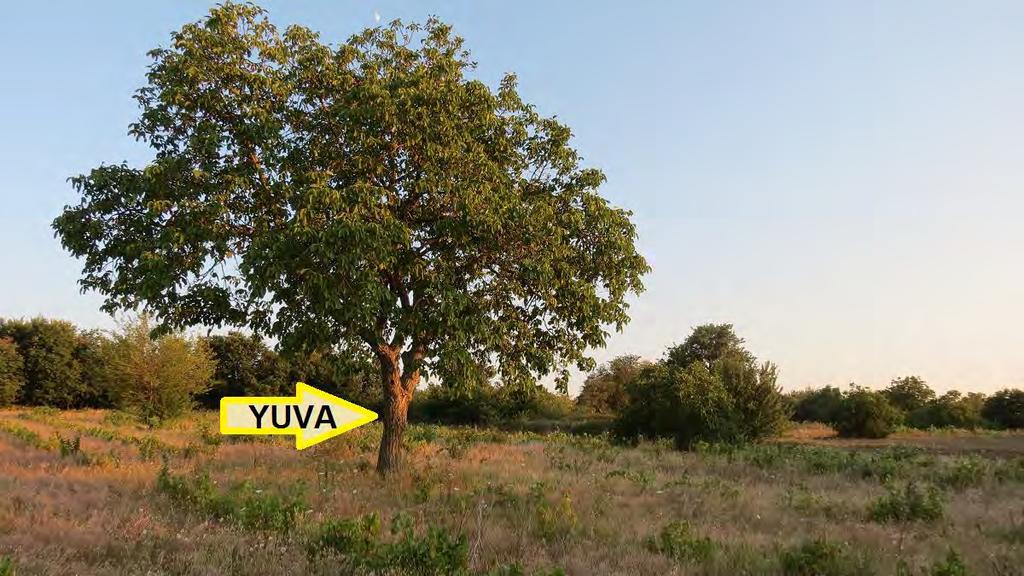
104,516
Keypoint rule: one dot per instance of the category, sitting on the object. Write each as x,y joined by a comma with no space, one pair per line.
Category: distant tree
245,366
53,374
94,356
707,344
951,410
865,413
369,198
1005,408
353,378
12,372
816,405
908,393
604,390
755,395
733,399
158,378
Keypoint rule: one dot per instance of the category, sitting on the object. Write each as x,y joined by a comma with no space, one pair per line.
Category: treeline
45,362
710,388
906,401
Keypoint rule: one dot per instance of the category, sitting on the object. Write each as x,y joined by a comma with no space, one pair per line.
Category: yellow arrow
311,415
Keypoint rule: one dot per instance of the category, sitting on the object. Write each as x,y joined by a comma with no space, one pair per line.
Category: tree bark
398,389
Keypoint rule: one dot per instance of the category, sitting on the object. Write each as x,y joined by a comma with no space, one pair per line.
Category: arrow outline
301,391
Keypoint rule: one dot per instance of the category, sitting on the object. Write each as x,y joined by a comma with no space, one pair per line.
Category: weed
677,541
356,538
963,474
641,478
69,447
552,521
27,436
909,503
951,565
6,566
821,558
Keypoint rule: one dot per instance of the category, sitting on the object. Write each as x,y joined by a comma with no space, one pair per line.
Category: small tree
12,372
604,390
908,393
732,399
370,198
1005,408
157,378
865,414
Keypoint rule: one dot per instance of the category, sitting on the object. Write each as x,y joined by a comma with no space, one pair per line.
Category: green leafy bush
1005,409
52,371
865,414
908,393
605,390
721,396
908,503
6,566
157,379
677,541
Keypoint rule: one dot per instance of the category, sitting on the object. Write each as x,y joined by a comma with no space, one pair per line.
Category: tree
157,378
908,393
53,373
732,399
245,366
1005,408
604,390
820,405
865,413
707,344
951,410
12,372
370,198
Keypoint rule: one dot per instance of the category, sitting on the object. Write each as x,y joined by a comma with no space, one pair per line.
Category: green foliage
951,565
245,366
157,379
951,410
370,197
6,566
732,399
604,390
865,414
52,370
908,502
819,405
243,504
488,405
1005,408
355,538
707,344
908,393
553,519
12,372
821,558
69,447
27,436
677,541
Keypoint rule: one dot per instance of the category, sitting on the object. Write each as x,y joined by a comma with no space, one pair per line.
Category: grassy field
91,492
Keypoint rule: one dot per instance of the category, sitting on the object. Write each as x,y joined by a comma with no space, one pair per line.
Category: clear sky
842,180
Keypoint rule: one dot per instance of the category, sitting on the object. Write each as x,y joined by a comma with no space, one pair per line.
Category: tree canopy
370,196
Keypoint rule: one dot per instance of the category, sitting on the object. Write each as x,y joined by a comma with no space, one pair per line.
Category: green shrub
69,447
964,473
677,541
356,538
157,379
722,396
604,390
6,566
242,504
1005,409
12,372
908,393
244,366
951,565
821,405
821,558
865,414
908,503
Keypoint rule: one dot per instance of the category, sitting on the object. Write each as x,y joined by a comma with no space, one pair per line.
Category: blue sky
841,180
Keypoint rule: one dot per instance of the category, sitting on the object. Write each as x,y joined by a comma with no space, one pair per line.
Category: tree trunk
398,389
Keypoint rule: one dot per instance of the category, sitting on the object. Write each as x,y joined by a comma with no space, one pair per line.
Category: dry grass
585,506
